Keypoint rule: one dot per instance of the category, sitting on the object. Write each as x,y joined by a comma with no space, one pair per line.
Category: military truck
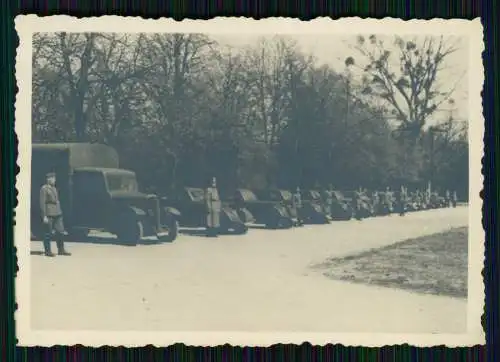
96,194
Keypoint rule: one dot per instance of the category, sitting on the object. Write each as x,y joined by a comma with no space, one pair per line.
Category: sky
334,49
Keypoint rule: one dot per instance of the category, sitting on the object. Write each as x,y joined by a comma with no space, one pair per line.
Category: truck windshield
121,182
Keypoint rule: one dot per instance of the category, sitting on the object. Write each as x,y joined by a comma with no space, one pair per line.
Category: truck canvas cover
62,158
75,155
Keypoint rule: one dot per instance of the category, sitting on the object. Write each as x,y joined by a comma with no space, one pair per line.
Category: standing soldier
388,200
447,198
402,201
297,204
376,202
454,199
357,204
214,207
52,216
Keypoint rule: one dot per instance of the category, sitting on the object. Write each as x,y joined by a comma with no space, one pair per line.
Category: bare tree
410,86
273,66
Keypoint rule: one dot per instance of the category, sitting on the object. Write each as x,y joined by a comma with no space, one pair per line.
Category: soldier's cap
51,174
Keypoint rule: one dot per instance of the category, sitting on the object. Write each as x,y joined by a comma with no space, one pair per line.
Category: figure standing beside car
214,208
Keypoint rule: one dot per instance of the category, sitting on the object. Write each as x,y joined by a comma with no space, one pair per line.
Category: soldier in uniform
454,199
52,216
402,201
214,208
357,204
297,204
447,198
388,200
376,202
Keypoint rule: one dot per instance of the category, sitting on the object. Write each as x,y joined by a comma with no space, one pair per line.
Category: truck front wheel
131,233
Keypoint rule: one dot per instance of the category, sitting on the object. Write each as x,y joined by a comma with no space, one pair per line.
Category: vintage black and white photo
249,182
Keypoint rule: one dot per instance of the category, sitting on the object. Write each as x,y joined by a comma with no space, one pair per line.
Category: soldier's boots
48,252
61,250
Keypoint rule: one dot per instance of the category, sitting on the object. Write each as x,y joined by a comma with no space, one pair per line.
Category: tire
274,224
240,229
131,233
173,231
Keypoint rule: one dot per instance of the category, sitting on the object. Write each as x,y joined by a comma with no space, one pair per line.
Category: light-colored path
256,282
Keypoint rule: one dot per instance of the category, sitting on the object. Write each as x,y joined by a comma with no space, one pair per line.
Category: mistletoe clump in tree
409,85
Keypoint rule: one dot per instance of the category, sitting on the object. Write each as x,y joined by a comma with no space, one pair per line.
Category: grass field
434,264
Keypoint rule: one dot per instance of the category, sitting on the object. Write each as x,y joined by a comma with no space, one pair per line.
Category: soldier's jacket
213,200
214,207
49,201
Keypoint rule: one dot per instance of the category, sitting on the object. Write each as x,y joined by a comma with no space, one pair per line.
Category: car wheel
240,229
172,229
131,233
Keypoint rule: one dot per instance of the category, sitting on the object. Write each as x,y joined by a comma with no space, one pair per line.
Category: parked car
190,201
341,208
361,204
313,209
284,198
269,213
385,204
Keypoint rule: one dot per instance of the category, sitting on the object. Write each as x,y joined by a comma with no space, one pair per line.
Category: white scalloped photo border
26,25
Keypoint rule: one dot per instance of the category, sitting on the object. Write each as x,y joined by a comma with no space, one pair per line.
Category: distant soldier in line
388,200
297,204
52,216
454,199
447,198
376,202
357,204
402,201
214,208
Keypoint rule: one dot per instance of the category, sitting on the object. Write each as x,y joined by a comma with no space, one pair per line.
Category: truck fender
172,212
137,211
125,214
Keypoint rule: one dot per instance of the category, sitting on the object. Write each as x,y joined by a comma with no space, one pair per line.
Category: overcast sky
334,49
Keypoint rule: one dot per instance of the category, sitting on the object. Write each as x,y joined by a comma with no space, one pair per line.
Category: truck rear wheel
131,233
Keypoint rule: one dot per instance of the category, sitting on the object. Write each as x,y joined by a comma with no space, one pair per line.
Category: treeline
180,108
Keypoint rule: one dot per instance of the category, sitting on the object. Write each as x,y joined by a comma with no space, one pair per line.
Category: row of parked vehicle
96,194
279,209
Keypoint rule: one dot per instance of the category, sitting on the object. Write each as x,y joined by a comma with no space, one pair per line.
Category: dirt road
257,282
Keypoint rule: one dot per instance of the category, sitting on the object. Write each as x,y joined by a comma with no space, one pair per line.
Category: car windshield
196,194
248,195
121,182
